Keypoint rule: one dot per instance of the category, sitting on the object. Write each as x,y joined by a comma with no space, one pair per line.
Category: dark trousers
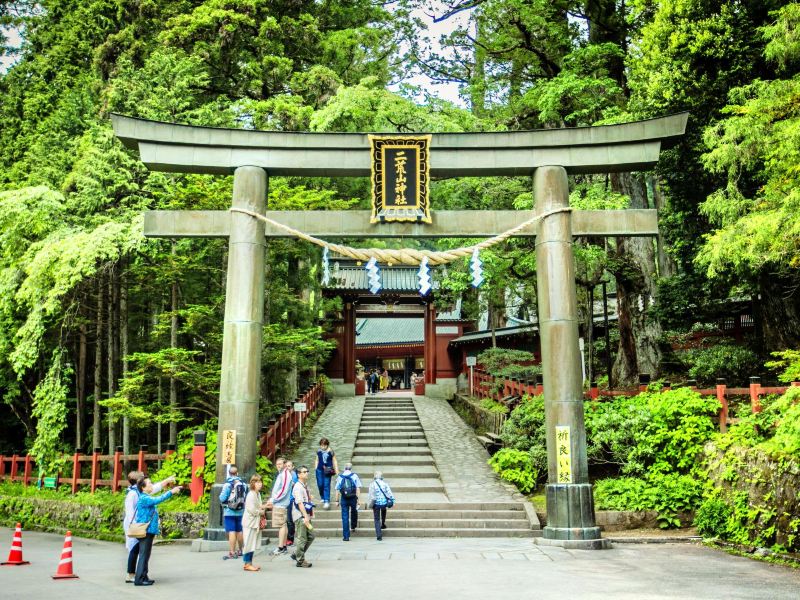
133,555
145,546
349,515
379,514
290,523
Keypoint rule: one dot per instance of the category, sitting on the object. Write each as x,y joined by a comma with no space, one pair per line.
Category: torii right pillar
570,506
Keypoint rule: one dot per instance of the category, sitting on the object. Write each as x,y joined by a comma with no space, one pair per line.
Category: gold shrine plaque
400,178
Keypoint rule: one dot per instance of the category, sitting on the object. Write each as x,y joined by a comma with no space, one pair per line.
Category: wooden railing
510,391
275,437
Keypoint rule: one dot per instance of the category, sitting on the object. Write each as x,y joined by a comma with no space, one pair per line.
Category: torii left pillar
240,384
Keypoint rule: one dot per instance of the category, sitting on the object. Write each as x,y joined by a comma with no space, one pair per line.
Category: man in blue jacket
232,499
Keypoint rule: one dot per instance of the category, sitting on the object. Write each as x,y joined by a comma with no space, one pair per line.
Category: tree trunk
173,343
633,266
98,365
80,387
778,312
123,342
111,379
666,265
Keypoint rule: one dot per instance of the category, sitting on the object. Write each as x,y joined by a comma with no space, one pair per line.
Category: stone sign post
548,155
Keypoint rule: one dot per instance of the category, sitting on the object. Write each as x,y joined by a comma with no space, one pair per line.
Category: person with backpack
379,499
232,498
348,488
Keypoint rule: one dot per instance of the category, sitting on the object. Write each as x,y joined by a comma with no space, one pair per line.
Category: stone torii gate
548,155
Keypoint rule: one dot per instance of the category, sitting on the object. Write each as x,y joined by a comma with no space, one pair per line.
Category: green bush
492,406
502,362
712,517
516,467
524,430
734,363
669,495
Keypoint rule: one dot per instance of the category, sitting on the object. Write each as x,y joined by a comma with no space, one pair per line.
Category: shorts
233,523
279,516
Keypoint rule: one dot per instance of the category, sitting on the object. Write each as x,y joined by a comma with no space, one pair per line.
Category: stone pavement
399,569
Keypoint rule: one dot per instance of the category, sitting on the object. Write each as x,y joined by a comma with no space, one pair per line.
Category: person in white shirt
131,499
379,498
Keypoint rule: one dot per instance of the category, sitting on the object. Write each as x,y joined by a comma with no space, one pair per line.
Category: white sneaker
278,551
326,506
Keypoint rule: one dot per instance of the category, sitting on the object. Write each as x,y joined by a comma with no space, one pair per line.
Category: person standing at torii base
279,502
232,498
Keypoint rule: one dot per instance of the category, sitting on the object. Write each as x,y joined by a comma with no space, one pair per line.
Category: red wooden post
142,464
116,472
667,386
26,473
644,381
692,384
13,467
755,394
198,464
796,384
95,467
76,469
2,467
723,405
169,451
594,393
539,385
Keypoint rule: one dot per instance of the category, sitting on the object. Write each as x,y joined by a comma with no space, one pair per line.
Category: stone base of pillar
344,390
215,530
570,516
599,544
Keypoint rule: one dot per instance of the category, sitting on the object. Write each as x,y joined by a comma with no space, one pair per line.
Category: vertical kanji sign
563,454
229,446
400,178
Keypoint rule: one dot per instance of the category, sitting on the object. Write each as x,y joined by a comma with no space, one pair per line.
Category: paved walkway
405,568
339,423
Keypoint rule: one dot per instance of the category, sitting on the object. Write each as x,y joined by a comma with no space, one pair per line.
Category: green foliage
524,430
669,494
712,518
733,362
494,407
789,362
516,467
50,410
775,430
505,363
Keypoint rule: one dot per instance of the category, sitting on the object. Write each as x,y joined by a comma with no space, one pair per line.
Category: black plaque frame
417,197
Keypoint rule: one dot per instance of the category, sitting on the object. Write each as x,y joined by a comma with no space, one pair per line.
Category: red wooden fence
508,391
17,468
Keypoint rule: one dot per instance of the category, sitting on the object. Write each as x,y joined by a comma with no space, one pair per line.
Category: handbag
389,501
262,522
137,530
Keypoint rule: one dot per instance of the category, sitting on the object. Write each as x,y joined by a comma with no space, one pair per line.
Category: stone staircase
391,439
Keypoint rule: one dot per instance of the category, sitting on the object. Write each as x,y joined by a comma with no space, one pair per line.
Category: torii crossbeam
547,155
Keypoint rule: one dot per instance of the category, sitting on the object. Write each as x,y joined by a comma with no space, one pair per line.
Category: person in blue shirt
378,499
348,489
325,467
232,516
147,512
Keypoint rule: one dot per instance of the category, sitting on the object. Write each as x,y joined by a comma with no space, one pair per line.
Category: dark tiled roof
387,332
392,279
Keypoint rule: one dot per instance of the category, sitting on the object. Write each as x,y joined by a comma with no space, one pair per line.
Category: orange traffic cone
64,570
15,556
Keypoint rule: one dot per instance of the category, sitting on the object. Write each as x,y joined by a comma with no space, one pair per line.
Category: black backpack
236,498
348,487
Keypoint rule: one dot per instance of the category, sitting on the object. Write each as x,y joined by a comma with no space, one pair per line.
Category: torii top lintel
609,148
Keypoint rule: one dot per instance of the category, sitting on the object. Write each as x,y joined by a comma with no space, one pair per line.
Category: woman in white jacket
251,522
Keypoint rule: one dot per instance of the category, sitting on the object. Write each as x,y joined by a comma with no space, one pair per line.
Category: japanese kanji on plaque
229,446
563,454
400,178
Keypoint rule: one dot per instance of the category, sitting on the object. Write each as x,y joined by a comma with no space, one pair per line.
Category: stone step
368,412
384,423
393,435
401,523
367,530
393,471
389,428
412,443
401,514
367,463
383,451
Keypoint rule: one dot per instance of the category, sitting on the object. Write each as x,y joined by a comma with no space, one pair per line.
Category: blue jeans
349,515
247,557
324,485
